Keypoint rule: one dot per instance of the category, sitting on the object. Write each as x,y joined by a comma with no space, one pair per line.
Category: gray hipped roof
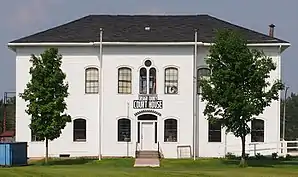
131,28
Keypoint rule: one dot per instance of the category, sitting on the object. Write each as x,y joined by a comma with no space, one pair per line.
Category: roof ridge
149,15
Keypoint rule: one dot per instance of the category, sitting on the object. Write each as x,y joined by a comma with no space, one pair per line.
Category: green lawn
185,168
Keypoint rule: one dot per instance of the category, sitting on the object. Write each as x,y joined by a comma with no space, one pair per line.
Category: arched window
124,80
170,130
79,130
143,81
171,80
202,73
152,81
124,130
214,134
147,79
257,130
91,80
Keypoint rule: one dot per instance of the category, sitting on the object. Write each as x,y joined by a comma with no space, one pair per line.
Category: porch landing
146,162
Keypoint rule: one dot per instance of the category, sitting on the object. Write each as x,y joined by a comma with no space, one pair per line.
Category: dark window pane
257,130
124,130
214,132
148,63
79,130
143,81
152,81
35,137
170,130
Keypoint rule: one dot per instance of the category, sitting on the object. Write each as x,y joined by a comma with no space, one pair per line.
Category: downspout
278,127
100,95
195,95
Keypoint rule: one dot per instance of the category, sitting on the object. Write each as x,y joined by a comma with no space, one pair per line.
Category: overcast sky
23,17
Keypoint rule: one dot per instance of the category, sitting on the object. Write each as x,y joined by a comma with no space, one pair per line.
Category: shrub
230,155
274,155
259,156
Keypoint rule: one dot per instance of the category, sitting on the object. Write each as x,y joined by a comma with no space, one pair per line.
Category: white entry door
147,136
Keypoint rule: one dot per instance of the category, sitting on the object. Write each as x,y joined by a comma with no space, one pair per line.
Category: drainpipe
195,95
100,95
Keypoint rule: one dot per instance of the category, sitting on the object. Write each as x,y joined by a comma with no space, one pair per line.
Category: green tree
238,88
46,93
291,130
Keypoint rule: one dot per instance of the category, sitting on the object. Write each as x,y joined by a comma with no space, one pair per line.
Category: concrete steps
147,159
147,154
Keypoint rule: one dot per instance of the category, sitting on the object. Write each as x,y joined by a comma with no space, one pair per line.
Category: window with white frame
171,80
152,81
147,80
170,130
124,80
79,130
257,130
214,134
91,80
124,130
34,137
202,73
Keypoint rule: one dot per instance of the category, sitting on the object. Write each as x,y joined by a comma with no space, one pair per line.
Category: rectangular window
124,80
171,80
170,130
214,132
34,138
257,130
91,80
124,130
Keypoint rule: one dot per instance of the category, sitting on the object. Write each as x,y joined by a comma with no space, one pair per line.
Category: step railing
159,150
137,150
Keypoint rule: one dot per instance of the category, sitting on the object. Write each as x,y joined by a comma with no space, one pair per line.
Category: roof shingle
131,28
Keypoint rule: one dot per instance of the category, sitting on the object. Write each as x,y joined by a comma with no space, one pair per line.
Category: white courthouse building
132,87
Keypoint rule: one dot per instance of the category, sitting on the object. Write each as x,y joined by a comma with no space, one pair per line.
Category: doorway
147,131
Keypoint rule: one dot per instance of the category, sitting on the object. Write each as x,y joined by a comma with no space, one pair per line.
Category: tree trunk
243,162
47,151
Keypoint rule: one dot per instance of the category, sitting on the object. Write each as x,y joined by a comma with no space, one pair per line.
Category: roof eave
13,46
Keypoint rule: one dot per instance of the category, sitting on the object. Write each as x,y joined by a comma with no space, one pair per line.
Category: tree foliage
291,130
238,89
45,94
10,109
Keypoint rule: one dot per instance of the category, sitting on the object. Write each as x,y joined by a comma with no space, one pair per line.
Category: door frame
155,133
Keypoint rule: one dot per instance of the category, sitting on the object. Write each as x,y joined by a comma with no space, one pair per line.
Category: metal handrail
136,152
159,150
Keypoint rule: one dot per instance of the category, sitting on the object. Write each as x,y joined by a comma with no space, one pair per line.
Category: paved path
150,162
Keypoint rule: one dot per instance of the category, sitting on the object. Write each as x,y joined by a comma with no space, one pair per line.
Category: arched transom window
202,73
171,80
147,79
91,80
124,80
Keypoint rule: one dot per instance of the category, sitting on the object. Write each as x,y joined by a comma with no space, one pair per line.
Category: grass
124,167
